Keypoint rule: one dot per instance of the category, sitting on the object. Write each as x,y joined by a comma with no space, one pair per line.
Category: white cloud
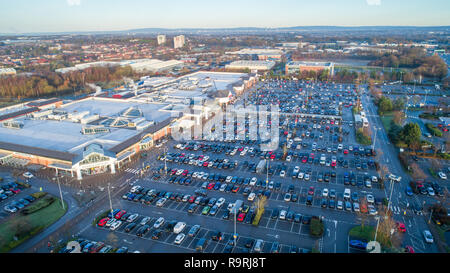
73,2
373,2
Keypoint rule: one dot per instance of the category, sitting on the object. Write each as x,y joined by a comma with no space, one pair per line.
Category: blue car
357,244
131,196
217,186
113,213
409,191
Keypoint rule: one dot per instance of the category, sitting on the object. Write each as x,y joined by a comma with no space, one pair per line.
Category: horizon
68,16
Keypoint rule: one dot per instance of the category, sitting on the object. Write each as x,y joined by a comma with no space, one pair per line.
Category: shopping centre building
100,134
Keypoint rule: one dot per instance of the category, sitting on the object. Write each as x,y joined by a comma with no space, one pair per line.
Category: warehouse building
299,66
251,65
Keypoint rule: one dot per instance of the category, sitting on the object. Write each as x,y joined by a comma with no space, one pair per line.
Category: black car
142,230
275,213
290,216
217,236
156,234
306,220
130,227
250,243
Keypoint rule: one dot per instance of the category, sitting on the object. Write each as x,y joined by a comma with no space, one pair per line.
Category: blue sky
19,16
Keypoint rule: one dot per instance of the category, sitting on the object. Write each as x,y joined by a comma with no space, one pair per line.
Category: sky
26,16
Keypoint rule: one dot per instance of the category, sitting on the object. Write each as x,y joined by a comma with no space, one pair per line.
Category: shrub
23,184
316,227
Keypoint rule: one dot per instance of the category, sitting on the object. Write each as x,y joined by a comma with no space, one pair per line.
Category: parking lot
317,171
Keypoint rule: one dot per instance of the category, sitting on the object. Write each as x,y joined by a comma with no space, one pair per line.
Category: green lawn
386,120
32,223
368,234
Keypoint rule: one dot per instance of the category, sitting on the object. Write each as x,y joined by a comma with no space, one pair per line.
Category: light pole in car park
110,203
60,192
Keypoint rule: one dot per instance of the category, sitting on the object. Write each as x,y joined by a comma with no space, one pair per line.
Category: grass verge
19,228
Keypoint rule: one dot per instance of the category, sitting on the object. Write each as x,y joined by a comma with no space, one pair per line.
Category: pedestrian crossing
396,210
130,170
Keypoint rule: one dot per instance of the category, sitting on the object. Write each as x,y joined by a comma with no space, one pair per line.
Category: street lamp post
60,192
110,202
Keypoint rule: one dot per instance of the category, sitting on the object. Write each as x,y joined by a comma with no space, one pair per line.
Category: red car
185,172
120,214
16,191
174,171
311,190
304,159
235,189
205,164
409,249
102,222
311,155
192,199
333,164
345,152
401,227
241,217
272,156
210,186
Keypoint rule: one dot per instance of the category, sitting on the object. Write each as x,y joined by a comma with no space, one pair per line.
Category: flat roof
309,63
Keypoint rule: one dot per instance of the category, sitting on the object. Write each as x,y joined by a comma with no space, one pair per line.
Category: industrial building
251,65
299,66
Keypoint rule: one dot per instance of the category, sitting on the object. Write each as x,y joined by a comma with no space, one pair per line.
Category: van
347,193
201,244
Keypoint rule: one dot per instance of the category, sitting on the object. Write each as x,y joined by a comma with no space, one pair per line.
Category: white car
307,177
179,239
372,210
253,181
110,222
161,202
340,205
288,158
115,225
145,220
220,202
430,191
159,222
428,237
374,179
296,169
135,188
179,227
10,209
251,196
223,187
229,178
325,192
370,198
356,207
132,217
283,215
442,175
287,197
282,174
300,175
28,175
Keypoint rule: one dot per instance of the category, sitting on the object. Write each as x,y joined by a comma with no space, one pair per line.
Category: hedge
433,130
39,194
40,204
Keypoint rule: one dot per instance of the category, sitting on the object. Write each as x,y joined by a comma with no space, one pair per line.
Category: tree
384,105
411,133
